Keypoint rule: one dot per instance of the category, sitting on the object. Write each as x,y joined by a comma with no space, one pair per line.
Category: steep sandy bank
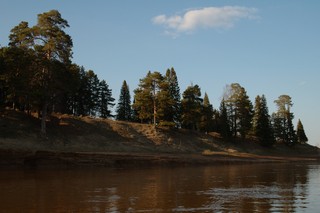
84,140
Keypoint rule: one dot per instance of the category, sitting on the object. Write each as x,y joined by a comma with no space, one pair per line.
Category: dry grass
85,134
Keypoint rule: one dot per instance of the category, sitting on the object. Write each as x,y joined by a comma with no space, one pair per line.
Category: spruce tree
301,135
105,101
224,127
83,94
261,126
173,111
124,111
93,93
206,123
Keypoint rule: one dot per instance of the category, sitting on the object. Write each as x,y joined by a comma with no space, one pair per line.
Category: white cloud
208,17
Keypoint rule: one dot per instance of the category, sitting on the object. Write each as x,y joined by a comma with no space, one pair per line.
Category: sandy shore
43,159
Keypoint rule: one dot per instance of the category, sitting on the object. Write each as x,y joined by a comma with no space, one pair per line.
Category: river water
235,188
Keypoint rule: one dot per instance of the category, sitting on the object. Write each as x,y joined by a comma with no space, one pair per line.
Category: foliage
282,121
261,126
223,121
156,98
191,107
105,100
239,109
173,111
50,45
146,97
301,135
124,111
207,120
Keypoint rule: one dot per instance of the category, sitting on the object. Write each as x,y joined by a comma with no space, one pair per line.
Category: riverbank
84,141
49,159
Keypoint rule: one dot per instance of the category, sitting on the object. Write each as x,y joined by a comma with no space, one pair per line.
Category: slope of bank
84,141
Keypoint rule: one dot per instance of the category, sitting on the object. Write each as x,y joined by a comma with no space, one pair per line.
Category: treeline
37,75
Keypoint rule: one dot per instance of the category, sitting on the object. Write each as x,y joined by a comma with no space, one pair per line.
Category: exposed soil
87,141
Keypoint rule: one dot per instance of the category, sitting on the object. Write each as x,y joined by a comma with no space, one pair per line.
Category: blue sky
269,47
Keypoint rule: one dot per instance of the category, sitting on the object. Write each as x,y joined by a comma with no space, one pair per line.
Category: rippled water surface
236,188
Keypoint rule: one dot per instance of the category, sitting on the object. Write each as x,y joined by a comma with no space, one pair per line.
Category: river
278,187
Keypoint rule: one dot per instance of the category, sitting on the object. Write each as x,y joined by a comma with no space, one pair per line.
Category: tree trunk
43,119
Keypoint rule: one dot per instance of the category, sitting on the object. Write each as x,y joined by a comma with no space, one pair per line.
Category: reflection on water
237,188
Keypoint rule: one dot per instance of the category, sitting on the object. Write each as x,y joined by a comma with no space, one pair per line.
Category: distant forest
37,75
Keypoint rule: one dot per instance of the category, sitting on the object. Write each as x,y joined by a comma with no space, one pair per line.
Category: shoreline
53,159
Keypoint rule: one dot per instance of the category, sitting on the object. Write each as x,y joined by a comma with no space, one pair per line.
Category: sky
268,47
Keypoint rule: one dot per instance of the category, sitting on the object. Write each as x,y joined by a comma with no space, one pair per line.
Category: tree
50,43
135,114
21,36
301,135
173,111
93,93
282,121
206,123
146,97
20,66
152,99
105,100
3,83
191,107
124,111
261,126
82,95
72,96
17,73
239,109
224,127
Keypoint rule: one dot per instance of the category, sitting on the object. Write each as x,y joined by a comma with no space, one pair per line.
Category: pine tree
147,98
282,121
262,128
239,109
301,135
124,111
82,94
191,107
206,123
50,43
105,100
224,127
17,74
135,115
93,92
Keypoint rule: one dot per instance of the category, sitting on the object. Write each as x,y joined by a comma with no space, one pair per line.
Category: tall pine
105,101
191,107
223,121
52,45
282,121
261,126
147,98
206,123
239,109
